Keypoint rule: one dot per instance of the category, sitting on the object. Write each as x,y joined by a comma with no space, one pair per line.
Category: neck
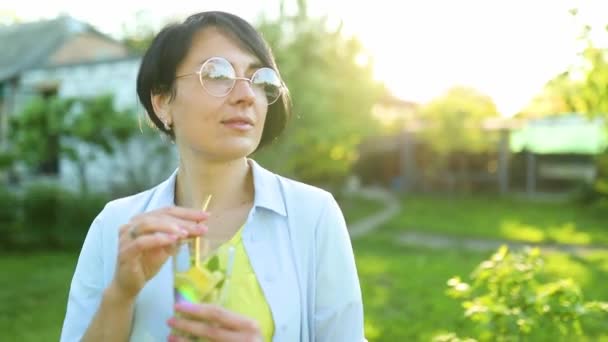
229,182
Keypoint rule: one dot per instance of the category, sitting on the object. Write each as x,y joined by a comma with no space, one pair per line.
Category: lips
239,123
242,120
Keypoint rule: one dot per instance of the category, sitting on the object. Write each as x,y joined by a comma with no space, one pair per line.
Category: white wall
141,161
86,80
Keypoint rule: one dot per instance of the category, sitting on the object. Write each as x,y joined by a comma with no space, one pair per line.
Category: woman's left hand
214,323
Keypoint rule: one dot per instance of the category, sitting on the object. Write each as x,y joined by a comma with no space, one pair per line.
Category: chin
234,151
224,148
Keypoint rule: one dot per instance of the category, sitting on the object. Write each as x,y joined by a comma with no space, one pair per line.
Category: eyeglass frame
234,79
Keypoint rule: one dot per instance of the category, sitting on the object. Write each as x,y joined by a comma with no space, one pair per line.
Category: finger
173,338
124,234
183,213
217,314
201,329
193,228
152,224
147,242
167,224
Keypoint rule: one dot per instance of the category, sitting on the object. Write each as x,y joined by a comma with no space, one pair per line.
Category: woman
212,85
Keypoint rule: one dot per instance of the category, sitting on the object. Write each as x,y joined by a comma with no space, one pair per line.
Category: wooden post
4,93
503,161
7,95
407,163
530,173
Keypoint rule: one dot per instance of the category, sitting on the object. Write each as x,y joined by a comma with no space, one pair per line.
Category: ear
161,105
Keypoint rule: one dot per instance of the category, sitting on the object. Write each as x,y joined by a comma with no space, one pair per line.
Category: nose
243,91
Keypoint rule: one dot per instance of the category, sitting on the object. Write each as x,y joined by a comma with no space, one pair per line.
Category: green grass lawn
33,293
403,288
502,218
356,208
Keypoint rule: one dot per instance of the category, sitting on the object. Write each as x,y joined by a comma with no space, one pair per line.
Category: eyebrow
255,65
252,66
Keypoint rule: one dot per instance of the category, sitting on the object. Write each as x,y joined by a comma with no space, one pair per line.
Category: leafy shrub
507,301
9,214
53,217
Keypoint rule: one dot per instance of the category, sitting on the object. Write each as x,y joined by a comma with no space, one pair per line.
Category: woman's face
217,128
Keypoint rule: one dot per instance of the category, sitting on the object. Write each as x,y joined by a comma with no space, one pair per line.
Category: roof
564,134
391,100
29,45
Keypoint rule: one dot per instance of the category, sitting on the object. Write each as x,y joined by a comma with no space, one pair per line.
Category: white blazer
298,245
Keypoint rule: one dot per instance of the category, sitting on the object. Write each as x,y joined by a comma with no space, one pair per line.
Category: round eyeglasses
218,78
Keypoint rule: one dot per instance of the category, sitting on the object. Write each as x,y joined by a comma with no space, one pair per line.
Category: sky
506,49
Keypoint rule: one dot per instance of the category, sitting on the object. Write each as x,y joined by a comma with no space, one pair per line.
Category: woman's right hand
147,241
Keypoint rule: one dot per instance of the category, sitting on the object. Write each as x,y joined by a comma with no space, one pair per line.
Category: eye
217,76
268,80
217,69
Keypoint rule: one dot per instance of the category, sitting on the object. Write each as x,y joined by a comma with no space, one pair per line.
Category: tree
51,128
139,32
35,132
330,78
455,121
8,17
331,82
583,88
454,131
551,100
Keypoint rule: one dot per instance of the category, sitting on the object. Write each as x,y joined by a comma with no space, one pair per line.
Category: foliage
7,159
41,212
50,128
400,285
581,89
47,216
596,193
155,160
139,32
8,215
455,121
584,89
36,130
508,301
331,82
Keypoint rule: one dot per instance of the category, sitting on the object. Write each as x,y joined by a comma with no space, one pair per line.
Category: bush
601,184
78,212
53,217
597,192
41,209
507,301
9,215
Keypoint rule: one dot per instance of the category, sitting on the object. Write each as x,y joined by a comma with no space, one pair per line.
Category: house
558,152
552,154
403,160
67,58
62,56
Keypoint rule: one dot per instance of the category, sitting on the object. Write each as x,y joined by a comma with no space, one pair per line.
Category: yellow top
244,294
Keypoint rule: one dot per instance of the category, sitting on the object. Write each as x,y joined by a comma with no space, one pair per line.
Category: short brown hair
171,45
